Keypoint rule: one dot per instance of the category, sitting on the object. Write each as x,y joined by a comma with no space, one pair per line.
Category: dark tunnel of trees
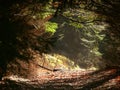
17,35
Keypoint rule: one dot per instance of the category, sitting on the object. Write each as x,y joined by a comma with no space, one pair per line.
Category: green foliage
91,37
42,15
51,27
77,25
47,11
89,30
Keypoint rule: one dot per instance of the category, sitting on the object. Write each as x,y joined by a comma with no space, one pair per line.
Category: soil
106,79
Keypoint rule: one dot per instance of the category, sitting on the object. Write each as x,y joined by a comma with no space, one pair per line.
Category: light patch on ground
62,62
15,78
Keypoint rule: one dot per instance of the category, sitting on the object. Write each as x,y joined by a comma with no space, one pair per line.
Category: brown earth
106,79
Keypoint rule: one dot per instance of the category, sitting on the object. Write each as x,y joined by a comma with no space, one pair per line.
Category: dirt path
107,79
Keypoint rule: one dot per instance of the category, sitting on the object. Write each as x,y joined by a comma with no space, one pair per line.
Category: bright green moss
51,27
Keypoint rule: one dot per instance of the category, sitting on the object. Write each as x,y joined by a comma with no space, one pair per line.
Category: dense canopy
43,36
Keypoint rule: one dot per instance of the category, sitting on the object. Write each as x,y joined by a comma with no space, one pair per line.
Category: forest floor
106,79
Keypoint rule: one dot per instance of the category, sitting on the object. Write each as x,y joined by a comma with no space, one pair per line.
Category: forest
59,44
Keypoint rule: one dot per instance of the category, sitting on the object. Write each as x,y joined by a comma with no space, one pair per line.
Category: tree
23,31
18,36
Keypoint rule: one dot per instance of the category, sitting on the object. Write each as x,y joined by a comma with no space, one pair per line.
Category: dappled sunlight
79,34
60,44
16,78
60,62
57,61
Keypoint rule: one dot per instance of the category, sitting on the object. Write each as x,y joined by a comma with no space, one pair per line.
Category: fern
51,27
